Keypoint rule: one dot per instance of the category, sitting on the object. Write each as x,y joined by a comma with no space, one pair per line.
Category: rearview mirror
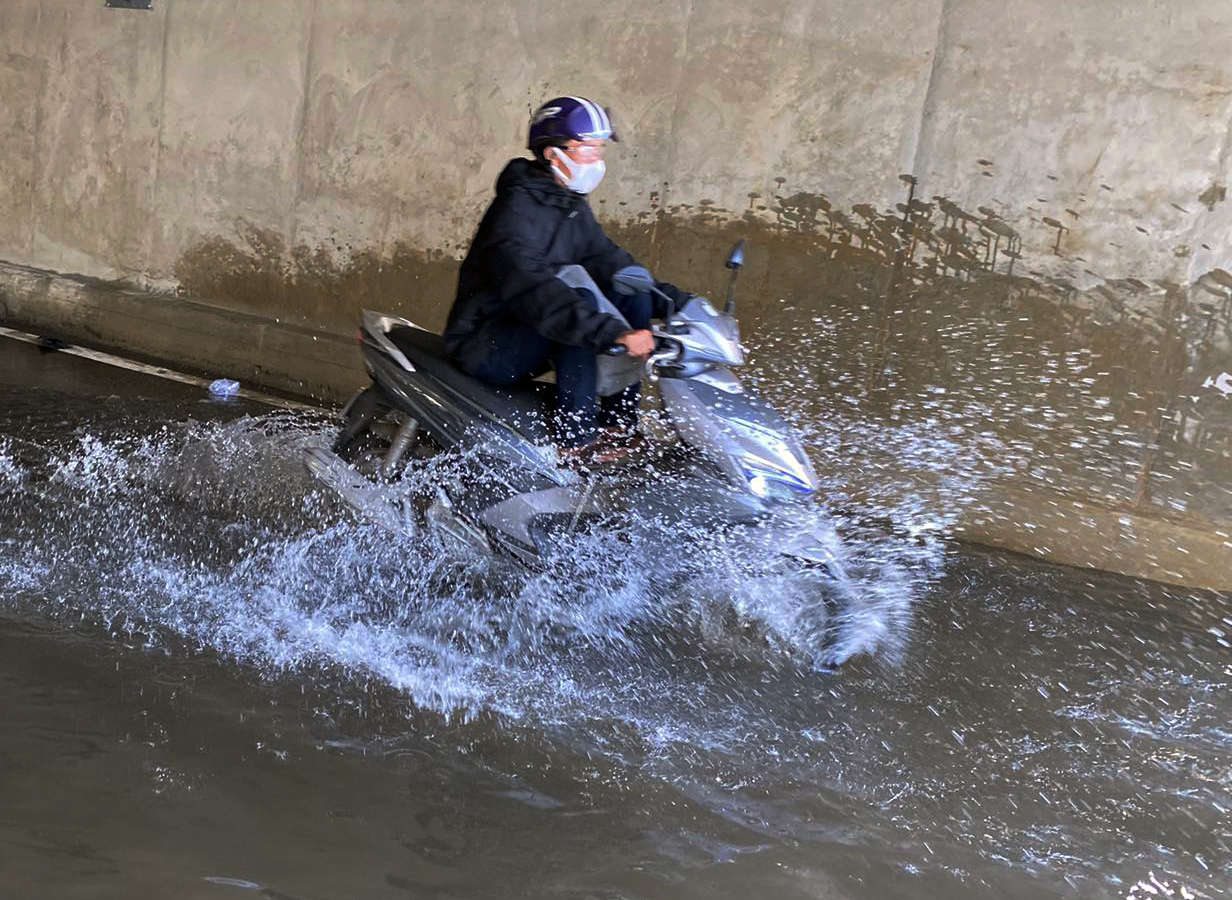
735,259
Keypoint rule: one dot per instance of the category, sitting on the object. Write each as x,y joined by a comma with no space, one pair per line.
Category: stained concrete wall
1055,300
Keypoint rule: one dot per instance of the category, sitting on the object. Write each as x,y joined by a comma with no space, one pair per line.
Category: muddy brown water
208,693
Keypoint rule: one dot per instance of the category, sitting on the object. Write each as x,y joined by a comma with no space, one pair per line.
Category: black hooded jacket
532,229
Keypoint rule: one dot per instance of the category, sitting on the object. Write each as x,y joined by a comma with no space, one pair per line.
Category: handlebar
632,342
622,350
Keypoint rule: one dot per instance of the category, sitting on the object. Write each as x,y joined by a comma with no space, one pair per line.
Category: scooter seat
523,406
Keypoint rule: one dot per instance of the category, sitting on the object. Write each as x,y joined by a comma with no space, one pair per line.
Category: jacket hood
531,176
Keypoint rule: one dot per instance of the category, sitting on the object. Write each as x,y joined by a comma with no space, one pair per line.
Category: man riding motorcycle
514,313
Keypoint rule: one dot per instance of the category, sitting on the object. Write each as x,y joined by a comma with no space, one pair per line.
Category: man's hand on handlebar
639,343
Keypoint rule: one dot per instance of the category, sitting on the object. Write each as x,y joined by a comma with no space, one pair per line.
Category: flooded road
216,685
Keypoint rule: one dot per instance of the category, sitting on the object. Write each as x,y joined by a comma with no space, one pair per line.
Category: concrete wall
1056,301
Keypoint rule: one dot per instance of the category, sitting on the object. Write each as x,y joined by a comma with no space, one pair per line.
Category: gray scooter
735,467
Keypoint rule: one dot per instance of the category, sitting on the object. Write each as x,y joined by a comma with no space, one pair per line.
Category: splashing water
10,472
213,533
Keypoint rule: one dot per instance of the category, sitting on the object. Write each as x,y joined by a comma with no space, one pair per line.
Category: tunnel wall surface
989,252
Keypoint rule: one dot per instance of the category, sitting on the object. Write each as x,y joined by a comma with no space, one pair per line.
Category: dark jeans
513,351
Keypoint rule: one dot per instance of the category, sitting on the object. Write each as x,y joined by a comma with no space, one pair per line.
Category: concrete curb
192,336
324,366
1077,532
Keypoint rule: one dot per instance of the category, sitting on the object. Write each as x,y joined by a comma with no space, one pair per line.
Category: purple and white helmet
564,119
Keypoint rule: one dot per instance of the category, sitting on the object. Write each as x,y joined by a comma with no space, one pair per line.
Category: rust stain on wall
930,313
1213,195
260,273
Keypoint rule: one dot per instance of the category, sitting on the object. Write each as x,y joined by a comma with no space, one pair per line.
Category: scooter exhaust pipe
403,439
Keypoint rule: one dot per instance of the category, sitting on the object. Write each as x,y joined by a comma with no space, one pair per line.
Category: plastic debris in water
224,387
1222,383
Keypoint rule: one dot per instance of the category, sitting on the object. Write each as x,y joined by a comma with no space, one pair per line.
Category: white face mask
582,178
